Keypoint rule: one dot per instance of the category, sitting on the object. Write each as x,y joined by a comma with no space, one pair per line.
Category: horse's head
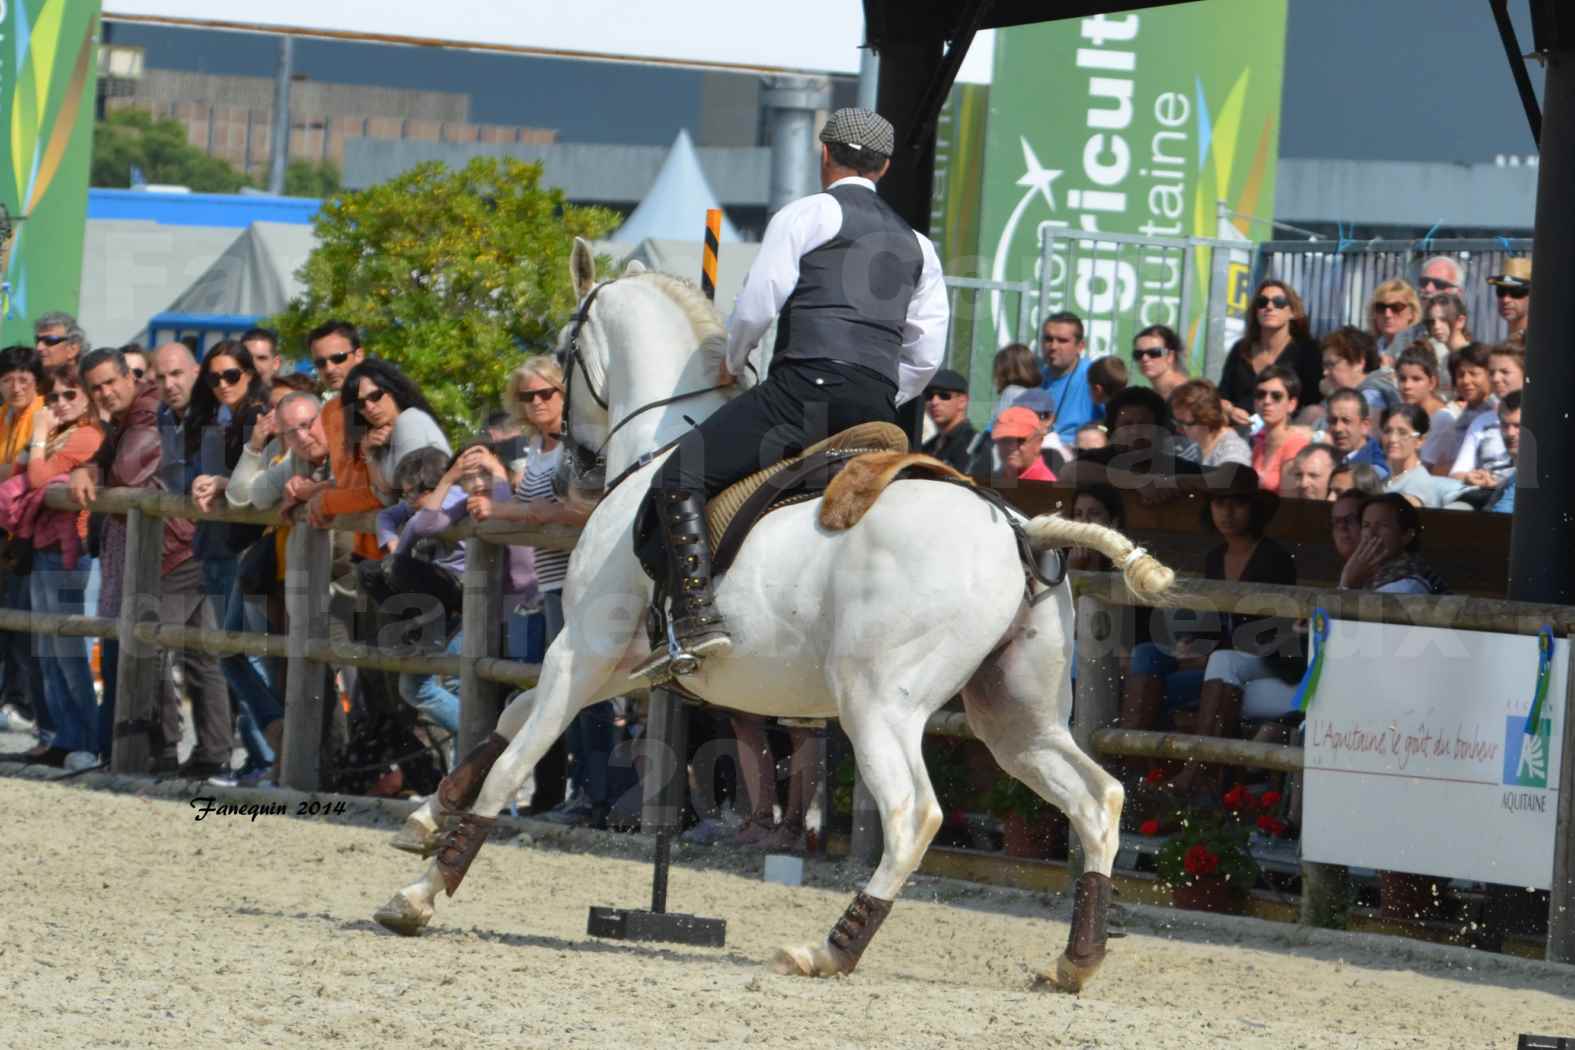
582,353
637,356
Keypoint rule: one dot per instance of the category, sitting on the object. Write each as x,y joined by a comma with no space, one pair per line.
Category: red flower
1199,861
1154,776
1272,826
1149,827
1269,799
1236,798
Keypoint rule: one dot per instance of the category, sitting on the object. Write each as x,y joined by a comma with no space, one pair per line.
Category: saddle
880,450
736,509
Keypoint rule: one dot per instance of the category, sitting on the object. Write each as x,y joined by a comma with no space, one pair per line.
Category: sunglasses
1511,293
373,398
51,340
331,359
1437,284
1394,433
136,373
543,395
1144,354
1390,308
60,395
229,377
1270,395
1263,302
939,395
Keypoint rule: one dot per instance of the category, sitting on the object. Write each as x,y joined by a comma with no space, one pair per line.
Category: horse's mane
701,312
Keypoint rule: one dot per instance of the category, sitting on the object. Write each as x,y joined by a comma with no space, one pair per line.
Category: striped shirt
536,484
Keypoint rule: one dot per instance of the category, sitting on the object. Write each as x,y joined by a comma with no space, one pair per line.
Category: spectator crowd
1406,412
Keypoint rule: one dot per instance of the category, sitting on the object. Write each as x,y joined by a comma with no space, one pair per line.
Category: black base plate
630,924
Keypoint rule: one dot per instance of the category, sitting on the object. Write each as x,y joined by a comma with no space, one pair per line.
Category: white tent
682,259
674,208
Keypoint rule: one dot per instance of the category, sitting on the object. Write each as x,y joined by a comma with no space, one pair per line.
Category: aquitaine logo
1526,754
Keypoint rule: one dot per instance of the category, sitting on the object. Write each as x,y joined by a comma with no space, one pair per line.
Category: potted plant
1031,827
1206,862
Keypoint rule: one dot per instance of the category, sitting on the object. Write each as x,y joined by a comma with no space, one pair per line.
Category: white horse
876,626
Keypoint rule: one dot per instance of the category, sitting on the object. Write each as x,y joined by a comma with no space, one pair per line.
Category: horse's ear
582,268
632,267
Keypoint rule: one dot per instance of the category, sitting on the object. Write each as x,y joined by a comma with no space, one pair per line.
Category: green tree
303,178
131,138
453,275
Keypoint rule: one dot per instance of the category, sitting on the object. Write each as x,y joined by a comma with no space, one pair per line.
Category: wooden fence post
480,701
137,678
1103,632
307,558
1561,901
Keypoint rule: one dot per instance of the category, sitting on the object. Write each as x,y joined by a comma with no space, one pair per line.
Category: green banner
1162,123
48,58
954,207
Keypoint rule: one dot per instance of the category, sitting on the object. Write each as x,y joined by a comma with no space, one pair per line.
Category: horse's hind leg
1017,704
891,763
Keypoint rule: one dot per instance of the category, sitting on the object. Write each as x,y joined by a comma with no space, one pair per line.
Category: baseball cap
1015,422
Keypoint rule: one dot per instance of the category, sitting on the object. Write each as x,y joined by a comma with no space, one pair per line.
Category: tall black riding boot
696,630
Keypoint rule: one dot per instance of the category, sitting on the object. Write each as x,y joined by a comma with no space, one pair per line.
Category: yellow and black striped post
713,241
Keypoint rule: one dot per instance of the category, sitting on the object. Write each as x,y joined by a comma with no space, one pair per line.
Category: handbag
16,556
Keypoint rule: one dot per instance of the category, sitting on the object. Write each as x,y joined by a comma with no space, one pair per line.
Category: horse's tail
1146,576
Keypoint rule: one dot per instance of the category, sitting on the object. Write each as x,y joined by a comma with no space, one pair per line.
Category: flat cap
861,129
946,379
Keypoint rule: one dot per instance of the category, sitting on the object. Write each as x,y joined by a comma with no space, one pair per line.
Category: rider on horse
862,327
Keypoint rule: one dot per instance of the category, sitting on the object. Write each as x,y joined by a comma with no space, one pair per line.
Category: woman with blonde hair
1392,313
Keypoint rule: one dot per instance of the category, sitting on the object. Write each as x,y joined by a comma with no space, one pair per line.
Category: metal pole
1540,561
281,115
1561,901
869,77
791,104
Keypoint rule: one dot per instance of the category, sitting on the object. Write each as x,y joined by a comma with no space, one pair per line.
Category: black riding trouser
801,402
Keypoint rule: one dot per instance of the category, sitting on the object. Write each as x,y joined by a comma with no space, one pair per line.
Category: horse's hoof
417,835
1069,976
402,916
805,962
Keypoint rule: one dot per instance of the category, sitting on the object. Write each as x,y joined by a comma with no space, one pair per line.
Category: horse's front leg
572,676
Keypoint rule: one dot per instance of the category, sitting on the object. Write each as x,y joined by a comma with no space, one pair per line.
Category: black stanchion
666,785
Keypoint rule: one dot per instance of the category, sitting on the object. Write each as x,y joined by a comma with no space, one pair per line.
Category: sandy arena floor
130,924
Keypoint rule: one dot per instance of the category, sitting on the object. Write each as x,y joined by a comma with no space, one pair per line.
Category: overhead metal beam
1517,66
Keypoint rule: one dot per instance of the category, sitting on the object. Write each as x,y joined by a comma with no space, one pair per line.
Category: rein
588,463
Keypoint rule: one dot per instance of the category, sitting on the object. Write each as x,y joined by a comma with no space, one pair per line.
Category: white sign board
1417,758
821,36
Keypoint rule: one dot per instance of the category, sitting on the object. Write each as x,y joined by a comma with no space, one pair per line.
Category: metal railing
1336,278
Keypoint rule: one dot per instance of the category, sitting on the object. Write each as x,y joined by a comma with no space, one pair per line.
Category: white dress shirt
799,229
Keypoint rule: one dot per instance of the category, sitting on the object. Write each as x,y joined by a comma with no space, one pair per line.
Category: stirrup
677,659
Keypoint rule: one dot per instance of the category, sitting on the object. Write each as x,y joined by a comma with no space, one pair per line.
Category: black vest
853,292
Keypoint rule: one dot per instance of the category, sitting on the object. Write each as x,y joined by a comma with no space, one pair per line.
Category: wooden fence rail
1104,624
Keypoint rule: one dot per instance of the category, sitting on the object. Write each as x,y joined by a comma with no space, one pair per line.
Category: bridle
584,463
